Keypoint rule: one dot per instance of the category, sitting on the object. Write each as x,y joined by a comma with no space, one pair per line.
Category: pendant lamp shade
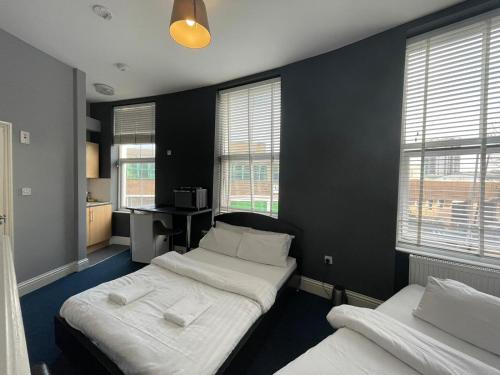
189,24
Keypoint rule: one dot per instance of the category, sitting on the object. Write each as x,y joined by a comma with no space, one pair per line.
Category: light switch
169,152
25,137
26,191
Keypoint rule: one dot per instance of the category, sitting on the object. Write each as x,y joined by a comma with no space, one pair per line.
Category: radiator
486,280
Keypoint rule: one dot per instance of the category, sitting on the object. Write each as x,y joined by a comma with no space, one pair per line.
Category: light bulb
190,23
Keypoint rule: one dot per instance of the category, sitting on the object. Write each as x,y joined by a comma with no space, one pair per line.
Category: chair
159,229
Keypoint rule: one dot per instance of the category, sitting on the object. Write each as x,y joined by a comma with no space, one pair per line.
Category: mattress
347,352
140,341
277,276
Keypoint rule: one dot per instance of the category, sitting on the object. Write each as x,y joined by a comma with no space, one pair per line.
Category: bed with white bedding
136,339
277,276
382,342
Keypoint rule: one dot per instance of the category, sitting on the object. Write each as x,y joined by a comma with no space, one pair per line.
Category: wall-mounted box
93,125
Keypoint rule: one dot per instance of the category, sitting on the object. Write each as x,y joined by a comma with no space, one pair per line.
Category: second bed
347,352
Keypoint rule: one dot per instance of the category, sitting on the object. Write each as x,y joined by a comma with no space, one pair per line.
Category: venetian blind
449,192
134,124
248,148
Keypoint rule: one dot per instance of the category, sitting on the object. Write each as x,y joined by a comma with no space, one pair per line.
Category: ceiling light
102,12
104,89
121,66
189,24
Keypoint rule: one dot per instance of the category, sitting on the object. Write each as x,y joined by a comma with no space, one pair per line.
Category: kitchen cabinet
92,160
88,226
99,225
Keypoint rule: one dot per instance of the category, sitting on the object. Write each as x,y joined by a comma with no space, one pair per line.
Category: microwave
194,198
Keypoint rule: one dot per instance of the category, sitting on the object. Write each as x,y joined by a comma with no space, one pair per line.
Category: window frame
121,170
272,199
485,144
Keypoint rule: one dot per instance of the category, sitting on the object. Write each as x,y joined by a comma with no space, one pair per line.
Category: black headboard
263,222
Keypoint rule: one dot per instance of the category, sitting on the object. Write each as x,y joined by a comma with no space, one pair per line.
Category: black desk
170,210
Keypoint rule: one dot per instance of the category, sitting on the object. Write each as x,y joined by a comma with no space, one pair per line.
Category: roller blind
134,124
449,191
248,148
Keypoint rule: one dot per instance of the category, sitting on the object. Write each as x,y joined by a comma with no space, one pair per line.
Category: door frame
10,182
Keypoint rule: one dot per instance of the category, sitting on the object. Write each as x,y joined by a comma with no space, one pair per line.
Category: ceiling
249,36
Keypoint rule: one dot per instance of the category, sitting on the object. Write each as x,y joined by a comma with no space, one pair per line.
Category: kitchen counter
93,204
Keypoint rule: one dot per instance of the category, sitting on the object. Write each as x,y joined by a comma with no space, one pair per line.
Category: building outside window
260,172
443,165
240,172
134,130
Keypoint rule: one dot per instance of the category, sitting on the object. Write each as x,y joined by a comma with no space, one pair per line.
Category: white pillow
289,238
462,311
221,241
265,248
269,233
234,228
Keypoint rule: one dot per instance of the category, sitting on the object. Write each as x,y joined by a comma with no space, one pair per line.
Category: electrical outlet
328,259
24,137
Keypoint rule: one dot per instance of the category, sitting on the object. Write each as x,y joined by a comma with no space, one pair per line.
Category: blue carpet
301,323
40,306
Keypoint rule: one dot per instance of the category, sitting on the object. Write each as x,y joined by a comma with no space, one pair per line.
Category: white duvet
370,342
140,341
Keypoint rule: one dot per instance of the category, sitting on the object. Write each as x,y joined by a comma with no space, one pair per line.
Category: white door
3,197
13,351
6,222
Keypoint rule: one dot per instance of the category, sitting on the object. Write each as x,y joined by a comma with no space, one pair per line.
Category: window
450,144
134,124
242,172
137,175
443,165
134,131
260,172
247,148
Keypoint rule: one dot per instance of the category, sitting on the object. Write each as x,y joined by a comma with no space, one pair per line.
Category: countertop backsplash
100,189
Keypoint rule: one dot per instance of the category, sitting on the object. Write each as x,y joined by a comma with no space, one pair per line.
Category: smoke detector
102,12
121,66
104,89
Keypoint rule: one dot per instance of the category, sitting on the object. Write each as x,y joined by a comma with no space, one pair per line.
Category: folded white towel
186,310
130,293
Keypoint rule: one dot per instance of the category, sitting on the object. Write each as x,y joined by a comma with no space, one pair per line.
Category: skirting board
46,278
119,240
325,290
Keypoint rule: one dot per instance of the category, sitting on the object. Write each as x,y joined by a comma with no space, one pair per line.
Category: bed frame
80,349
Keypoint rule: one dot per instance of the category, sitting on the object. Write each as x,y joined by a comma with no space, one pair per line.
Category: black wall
186,127
341,119
339,160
